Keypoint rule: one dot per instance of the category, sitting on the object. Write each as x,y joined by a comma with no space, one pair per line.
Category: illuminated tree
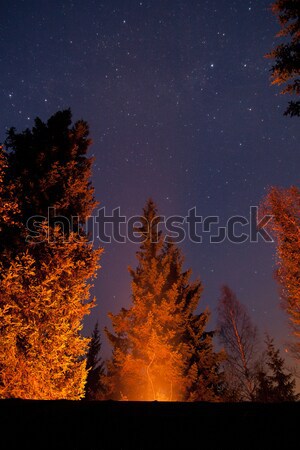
8,206
44,279
95,385
239,337
42,306
275,384
284,205
160,349
286,70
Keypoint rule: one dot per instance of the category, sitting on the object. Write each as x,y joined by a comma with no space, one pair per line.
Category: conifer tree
160,347
44,279
286,70
50,167
275,384
95,387
284,206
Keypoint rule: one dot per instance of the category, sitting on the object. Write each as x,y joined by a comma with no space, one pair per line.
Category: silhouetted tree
160,347
239,337
95,388
274,383
44,279
286,69
50,168
284,205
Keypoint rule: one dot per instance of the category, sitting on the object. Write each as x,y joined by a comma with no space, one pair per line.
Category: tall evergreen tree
286,70
95,388
275,384
284,206
44,280
160,347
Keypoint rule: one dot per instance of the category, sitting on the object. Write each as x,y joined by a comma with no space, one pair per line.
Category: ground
147,425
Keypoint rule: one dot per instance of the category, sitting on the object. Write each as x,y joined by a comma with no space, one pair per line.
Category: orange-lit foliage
44,288
42,305
284,205
286,69
160,348
8,206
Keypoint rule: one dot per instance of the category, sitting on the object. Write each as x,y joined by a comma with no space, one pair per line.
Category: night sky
180,108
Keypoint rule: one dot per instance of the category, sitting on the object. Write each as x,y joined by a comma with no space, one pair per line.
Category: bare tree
239,337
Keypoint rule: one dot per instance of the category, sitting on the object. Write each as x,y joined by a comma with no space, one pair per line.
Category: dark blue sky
180,108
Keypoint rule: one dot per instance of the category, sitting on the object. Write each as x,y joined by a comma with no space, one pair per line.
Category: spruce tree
95,389
50,168
284,206
286,70
264,390
275,384
44,279
160,347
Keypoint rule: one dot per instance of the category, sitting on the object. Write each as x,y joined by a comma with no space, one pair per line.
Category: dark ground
147,425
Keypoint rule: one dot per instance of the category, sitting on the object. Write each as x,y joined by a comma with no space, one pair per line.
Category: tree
160,347
274,383
42,306
44,279
286,69
95,387
51,169
239,337
284,206
8,205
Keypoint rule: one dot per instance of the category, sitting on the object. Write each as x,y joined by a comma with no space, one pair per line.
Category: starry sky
178,99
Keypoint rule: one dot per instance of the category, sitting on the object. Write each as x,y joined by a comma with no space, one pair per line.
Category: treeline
162,348
161,345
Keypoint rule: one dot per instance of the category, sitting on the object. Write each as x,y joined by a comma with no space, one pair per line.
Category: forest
164,349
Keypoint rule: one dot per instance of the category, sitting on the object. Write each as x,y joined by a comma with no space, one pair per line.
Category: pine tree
160,348
239,337
286,69
44,282
95,387
275,384
284,206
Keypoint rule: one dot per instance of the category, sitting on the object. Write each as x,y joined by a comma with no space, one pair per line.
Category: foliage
44,287
286,70
51,169
274,383
160,347
95,383
9,208
284,205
